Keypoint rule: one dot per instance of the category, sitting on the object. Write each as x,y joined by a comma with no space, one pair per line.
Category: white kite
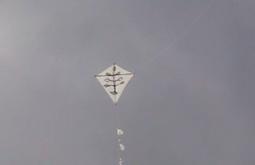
114,79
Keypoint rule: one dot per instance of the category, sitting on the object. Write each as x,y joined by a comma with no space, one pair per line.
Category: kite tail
120,134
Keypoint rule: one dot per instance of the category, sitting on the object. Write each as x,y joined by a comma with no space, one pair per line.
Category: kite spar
114,80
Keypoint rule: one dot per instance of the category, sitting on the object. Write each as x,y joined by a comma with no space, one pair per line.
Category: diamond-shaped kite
114,79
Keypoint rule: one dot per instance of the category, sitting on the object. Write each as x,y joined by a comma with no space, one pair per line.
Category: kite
114,80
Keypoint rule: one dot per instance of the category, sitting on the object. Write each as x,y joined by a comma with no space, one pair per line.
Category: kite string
184,33
178,39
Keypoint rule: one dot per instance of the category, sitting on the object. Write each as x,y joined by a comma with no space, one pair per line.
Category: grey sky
190,103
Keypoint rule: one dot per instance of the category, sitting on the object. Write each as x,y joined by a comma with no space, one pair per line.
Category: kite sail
114,79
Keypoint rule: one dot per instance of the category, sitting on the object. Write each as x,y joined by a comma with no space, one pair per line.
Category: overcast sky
191,101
